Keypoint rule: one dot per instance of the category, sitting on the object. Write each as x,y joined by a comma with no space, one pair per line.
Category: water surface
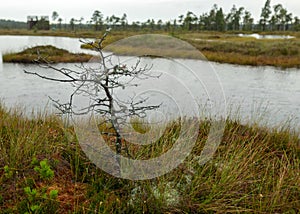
258,36
251,93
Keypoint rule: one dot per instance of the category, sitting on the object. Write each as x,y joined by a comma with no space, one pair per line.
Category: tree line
272,18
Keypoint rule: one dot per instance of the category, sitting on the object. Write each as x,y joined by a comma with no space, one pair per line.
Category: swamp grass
220,47
46,53
68,33
223,47
278,53
255,169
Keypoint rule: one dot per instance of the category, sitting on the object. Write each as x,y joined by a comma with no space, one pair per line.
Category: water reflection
258,36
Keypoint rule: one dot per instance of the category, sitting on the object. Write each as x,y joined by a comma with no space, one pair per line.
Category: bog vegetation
47,53
214,33
255,169
218,47
43,170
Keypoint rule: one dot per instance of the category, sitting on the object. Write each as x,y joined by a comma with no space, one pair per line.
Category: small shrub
44,170
7,172
53,194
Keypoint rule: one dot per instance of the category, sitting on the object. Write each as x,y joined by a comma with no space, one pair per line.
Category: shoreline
218,47
48,54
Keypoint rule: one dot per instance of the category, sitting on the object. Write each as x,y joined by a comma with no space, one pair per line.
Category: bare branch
98,84
48,78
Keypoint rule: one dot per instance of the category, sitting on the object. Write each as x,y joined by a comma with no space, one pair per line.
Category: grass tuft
43,170
48,53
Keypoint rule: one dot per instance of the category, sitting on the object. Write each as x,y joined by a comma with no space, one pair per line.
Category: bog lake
266,95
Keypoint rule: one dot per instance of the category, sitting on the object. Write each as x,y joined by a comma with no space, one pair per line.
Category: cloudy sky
136,10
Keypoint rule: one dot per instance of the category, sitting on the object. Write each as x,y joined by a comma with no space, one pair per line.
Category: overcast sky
136,10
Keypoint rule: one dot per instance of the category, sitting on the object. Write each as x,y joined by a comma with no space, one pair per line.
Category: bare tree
99,84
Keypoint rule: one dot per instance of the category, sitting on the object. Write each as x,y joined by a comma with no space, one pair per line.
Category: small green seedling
31,193
53,194
44,170
7,172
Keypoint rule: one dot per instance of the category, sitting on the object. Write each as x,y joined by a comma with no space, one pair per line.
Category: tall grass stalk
255,169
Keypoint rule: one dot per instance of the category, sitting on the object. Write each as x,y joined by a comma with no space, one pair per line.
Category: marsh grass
255,169
223,47
216,46
228,48
49,53
68,33
151,45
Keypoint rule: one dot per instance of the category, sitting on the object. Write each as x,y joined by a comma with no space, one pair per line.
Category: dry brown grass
48,53
254,170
